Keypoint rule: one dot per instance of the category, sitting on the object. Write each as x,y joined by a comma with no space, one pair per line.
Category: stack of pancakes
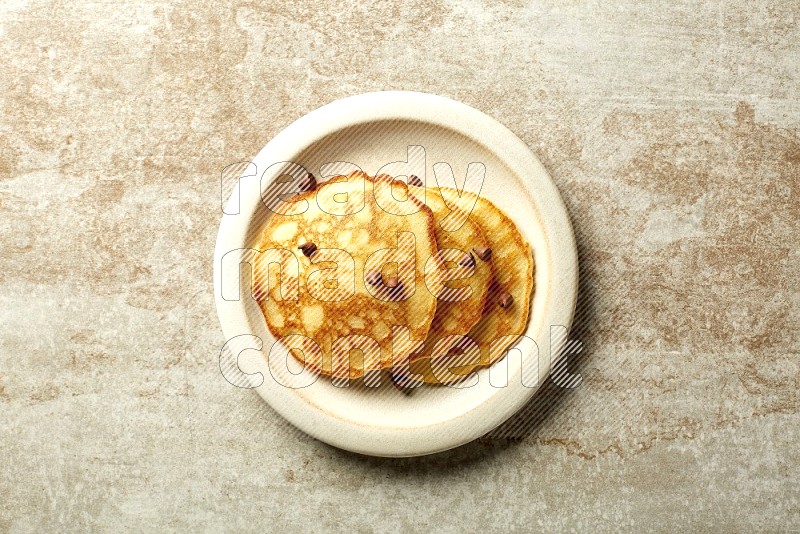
362,274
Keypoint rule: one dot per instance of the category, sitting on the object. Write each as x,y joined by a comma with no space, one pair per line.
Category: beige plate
458,142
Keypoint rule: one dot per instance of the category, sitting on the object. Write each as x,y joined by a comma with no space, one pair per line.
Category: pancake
499,327
352,258
461,300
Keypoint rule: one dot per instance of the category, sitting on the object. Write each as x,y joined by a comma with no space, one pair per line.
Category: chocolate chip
505,300
307,182
373,277
308,249
392,288
401,382
468,260
484,253
391,282
414,180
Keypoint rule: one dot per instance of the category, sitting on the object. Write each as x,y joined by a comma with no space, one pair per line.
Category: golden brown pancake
324,307
512,263
461,300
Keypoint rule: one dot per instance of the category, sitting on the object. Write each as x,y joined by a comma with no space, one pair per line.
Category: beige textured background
671,130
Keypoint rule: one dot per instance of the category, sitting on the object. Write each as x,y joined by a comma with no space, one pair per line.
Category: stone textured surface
671,129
